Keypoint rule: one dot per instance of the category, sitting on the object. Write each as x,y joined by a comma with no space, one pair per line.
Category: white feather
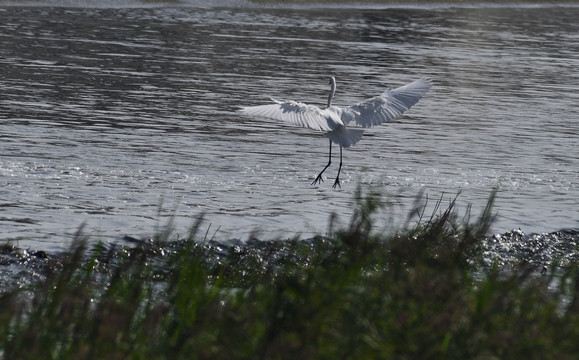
297,113
388,106
344,136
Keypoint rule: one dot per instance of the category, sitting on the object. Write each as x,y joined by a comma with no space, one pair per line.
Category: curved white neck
332,91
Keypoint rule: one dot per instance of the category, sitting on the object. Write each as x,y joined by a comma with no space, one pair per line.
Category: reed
358,294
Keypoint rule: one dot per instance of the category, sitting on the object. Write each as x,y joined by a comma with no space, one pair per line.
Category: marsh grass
355,295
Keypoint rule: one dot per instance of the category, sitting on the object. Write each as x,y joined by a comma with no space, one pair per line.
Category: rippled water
123,117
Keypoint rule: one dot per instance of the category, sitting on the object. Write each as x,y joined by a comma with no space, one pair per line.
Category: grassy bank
420,294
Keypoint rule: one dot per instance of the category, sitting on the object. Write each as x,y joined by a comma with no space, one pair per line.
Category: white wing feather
297,113
388,106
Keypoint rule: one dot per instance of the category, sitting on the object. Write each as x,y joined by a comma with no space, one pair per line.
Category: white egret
334,120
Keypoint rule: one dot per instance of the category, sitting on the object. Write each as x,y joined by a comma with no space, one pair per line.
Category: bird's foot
318,180
337,183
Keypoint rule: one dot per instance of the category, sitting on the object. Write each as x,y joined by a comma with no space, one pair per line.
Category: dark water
122,117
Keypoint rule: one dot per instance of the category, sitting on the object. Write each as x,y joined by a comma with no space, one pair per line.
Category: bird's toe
337,183
318,180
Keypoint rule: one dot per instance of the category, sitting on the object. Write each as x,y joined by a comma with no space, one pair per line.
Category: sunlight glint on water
123,117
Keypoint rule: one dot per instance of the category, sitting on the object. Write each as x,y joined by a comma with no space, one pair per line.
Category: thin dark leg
337,182
319,179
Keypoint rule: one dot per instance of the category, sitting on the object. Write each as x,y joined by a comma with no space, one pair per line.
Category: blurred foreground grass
419,294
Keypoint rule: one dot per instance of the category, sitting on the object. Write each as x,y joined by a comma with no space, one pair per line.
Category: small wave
105,4
297,4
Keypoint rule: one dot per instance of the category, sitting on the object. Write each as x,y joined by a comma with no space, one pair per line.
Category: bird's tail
344,136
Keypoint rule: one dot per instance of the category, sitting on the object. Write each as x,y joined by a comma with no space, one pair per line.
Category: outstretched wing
388,106
297,113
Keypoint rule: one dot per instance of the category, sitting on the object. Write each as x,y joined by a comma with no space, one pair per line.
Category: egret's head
332,81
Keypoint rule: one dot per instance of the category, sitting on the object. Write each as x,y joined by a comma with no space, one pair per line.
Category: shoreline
21,267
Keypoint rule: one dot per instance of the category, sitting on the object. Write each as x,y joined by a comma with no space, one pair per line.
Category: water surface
123,117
